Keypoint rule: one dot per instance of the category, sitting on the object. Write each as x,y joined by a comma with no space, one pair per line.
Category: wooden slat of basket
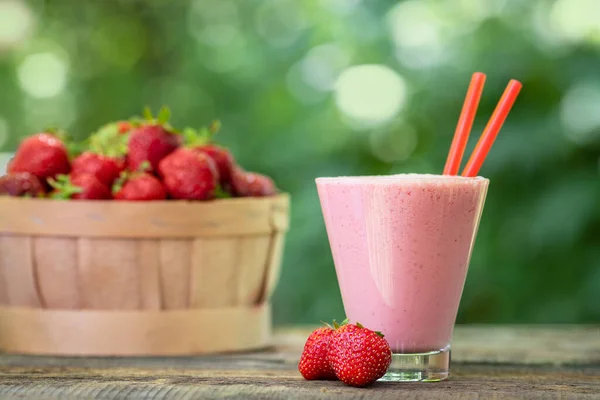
148,253
166,219
175,259
56,268
20,285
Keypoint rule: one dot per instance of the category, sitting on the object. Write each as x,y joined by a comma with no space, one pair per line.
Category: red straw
465,123
492,128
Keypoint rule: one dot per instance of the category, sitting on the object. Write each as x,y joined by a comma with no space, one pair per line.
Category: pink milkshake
401,245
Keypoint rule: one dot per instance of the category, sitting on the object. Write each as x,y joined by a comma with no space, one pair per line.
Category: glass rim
397,178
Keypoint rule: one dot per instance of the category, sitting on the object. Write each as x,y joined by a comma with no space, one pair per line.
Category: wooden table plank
523,368
467,381
516,344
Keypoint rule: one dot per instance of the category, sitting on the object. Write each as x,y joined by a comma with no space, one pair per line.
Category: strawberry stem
358,324
202,136
327,324
147,113
164,115
63,188
162,119
118,185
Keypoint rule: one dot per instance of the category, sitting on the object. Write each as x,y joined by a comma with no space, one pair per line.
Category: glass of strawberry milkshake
401,246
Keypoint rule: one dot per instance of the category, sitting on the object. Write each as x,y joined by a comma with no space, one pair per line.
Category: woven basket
124,278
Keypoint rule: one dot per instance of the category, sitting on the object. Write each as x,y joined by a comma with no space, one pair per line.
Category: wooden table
487,363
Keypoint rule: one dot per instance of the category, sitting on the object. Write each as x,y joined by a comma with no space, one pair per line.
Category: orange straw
465,123
492,128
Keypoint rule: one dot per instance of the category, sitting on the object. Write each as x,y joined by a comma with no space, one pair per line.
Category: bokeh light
417,33
17,22
322,65
370,94
577,20
579,112
43,75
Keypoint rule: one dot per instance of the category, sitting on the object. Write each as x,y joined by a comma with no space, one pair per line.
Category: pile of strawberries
351,353
142,159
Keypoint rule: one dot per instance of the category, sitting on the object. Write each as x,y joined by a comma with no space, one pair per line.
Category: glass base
420,367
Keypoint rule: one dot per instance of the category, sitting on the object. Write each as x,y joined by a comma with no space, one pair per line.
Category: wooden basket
153,278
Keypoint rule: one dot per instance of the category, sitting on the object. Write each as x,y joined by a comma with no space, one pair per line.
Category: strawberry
359,356
21,184
223,160
201,141
79,187
43,155
105,155
106,169
138,186
151,141
251,184
189,175
313,362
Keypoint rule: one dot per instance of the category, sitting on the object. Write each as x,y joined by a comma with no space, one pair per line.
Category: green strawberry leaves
109,141
196,138
376,332
63,188
336,325
163,117
345,322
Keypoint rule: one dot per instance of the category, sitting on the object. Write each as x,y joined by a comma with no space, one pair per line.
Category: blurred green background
308,88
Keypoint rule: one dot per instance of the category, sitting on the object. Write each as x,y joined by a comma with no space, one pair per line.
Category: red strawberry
43,155
151,141
251,184
139,186
189,175
223,160
21,184
106,169
313,362
79,187
359,356
201,141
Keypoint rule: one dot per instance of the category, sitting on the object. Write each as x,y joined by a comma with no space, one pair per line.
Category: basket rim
152,219
231,200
